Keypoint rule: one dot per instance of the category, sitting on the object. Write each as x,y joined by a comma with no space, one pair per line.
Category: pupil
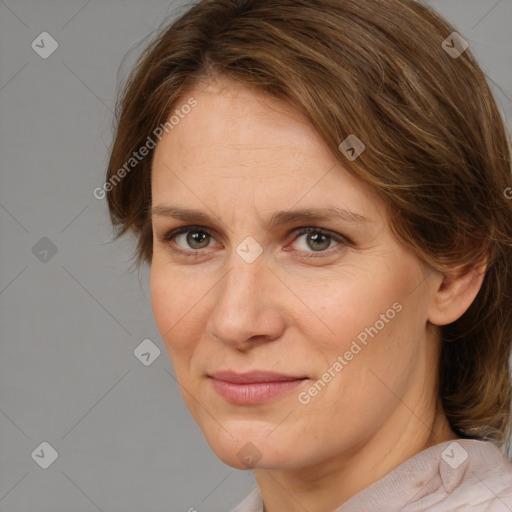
317,237
195,236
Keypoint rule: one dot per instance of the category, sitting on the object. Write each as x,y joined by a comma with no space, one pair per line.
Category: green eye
196,238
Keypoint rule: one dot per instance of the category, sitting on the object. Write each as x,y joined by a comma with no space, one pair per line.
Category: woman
318,188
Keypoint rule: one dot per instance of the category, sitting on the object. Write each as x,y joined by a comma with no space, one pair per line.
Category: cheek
376,336
162,299
367,332
173,301
342,307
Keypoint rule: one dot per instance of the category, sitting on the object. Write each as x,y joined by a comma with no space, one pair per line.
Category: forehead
240,145
230,120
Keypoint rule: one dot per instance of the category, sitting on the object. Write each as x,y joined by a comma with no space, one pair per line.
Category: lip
253,387
256,376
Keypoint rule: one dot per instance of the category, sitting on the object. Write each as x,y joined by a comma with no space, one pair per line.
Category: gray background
70,324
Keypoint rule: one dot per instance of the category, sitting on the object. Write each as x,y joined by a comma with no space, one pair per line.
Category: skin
240,156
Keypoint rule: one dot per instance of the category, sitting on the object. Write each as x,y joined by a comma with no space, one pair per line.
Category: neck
329,484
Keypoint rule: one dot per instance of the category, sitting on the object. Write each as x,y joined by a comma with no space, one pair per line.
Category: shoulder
476,476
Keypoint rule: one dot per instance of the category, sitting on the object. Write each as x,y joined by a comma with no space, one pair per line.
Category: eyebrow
278,218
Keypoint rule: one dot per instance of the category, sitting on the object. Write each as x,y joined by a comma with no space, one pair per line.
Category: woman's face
342,309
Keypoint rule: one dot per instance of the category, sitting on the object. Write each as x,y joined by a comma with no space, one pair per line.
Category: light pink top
462,475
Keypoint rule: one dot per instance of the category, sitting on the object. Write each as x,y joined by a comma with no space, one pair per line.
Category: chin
247,450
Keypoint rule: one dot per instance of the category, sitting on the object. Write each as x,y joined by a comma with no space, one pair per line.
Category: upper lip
252,377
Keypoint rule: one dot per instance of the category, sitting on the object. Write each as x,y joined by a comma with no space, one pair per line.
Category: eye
188,237
189,240
319,240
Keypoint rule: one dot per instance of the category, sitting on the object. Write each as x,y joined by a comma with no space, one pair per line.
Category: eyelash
342,240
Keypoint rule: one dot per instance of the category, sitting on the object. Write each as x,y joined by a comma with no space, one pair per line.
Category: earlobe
455,294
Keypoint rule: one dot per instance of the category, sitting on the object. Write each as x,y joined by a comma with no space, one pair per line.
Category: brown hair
437,150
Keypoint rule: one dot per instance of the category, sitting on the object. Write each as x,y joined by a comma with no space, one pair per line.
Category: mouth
253,387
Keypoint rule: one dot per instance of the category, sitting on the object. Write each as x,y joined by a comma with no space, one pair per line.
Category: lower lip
256,393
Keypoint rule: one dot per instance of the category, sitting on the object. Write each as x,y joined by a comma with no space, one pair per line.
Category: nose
247,306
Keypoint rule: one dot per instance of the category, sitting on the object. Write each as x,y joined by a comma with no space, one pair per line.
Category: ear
454,294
